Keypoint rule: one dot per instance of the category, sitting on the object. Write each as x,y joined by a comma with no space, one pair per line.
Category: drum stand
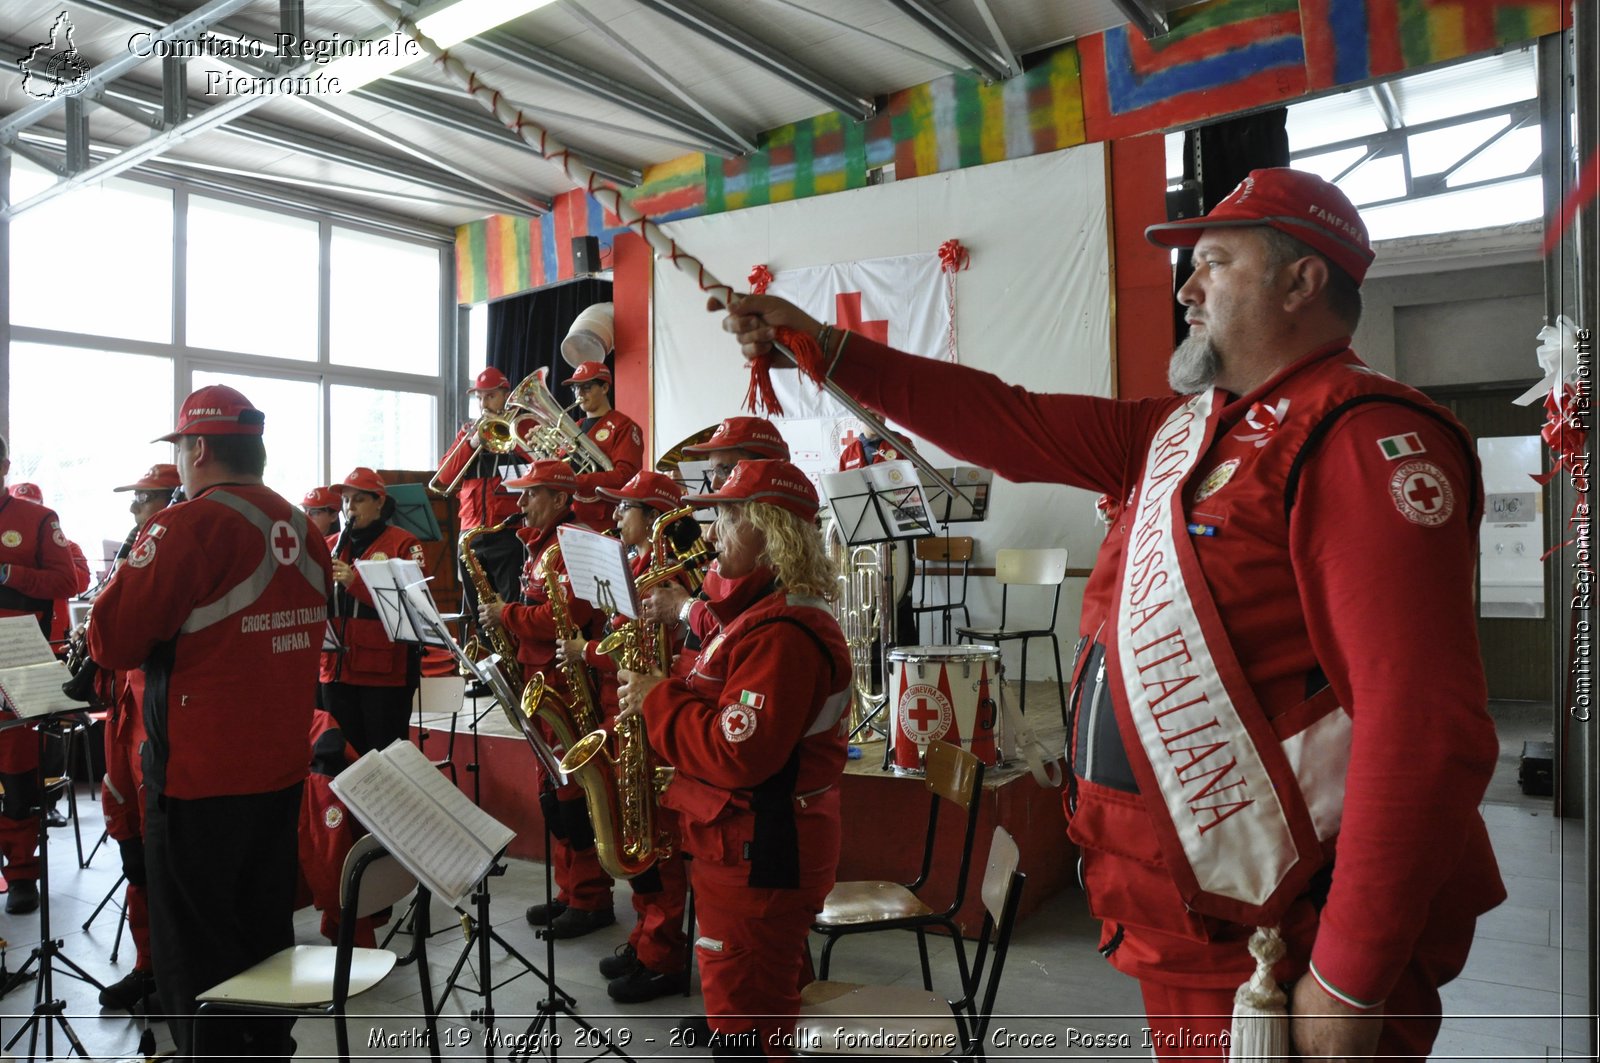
48,1011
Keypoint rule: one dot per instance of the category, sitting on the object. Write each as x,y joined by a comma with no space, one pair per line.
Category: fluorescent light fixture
448,23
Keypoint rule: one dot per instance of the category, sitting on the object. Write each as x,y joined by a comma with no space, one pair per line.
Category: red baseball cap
156,478
777,483
217,410
556,475
362,478
28,491
490,379
589,371
745,433
321,498
1291,201
654,489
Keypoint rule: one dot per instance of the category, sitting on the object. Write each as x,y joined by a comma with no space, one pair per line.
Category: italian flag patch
752,699
1401,446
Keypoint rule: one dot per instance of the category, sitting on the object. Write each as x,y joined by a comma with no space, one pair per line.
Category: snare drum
944,692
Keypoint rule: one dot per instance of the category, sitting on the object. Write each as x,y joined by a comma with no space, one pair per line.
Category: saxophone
499,638
575,714
622,786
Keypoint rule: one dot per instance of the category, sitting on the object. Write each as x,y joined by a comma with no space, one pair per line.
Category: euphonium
622,787
498,637
557,436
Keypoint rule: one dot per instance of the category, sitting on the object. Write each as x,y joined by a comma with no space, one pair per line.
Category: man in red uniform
60,618
122,789
36,569
613,432
583,899
756,733
1256,680
652,962
484,499
222,602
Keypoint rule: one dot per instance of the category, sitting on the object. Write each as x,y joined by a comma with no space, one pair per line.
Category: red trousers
580,880
752,951
1192,1024
658,936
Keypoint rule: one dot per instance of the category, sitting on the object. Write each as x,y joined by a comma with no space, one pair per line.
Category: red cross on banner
847,314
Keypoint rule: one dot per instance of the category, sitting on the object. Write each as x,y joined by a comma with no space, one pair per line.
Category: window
77,461
381,429
252,279
385,304
293,427
95,260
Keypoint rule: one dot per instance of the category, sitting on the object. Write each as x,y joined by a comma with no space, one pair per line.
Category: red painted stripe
1478,25
1383,37
565,230
669,202
1210,43
493,266
1321,48
1263,88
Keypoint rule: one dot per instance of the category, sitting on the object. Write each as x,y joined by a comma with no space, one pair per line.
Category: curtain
525,331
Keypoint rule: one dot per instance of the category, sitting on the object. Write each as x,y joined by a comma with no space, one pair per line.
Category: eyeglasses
144,498
326,511
588,385
623,507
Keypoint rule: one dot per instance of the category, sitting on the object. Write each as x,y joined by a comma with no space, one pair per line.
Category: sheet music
400,593
429,828
597,565
879,502
21,642
35,689
971,502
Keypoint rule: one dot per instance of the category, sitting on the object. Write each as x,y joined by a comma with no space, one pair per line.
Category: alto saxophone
575,714
623,786
500,640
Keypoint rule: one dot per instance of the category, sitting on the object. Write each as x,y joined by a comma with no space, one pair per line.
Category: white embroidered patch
332,817
738,722
143,554
1216,479
1422,494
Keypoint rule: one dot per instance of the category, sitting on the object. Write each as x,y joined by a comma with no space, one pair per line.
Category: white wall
1034,308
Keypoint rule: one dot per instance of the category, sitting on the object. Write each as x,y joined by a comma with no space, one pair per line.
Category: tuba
498,637
866,620
554,435
624,785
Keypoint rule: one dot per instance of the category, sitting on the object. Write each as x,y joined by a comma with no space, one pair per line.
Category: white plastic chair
436,696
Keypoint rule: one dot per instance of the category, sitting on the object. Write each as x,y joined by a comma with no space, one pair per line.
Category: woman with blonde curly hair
756,731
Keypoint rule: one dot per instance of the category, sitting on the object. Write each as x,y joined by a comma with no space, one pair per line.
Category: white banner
898,301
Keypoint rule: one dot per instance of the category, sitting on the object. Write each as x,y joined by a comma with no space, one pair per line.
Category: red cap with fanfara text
362,478
654,489
490,379
754,434
777,483
156,478
556,475
217,410
1301,204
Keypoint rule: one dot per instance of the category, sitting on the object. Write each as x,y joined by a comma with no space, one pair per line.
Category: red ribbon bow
952,256
760,279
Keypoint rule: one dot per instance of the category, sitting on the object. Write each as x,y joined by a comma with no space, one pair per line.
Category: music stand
874,504
413,511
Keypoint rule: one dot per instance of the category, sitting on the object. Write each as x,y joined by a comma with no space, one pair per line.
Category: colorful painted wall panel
1350,41
1218,58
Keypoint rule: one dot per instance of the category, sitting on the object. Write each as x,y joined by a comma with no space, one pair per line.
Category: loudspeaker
585,255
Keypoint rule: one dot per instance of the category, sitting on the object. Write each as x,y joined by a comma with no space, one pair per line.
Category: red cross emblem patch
738,722
285,544
1422,493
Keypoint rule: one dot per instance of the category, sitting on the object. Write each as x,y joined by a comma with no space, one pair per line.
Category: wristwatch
683,612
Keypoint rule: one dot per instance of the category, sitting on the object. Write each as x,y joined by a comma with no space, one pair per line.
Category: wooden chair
1046,567
954,776
946,553
320,979
838,1018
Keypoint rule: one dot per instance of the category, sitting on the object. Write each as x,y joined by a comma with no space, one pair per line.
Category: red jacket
38,571
483,501
533,623
756,733
1349,579
369,658
223,601
623,443
854,455
604,665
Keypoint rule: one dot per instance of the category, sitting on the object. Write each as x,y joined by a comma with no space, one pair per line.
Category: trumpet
495,433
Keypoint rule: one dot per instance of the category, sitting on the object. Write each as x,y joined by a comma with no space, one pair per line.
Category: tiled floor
1508,1005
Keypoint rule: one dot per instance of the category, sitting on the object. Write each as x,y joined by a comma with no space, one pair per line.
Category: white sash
1220,789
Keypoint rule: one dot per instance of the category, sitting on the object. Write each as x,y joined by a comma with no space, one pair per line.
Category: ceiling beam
1149,19
983,58
714,28
563,71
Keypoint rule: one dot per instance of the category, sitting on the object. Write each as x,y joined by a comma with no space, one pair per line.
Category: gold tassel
1260,1017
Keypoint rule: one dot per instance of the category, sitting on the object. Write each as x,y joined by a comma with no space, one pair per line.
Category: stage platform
885,815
